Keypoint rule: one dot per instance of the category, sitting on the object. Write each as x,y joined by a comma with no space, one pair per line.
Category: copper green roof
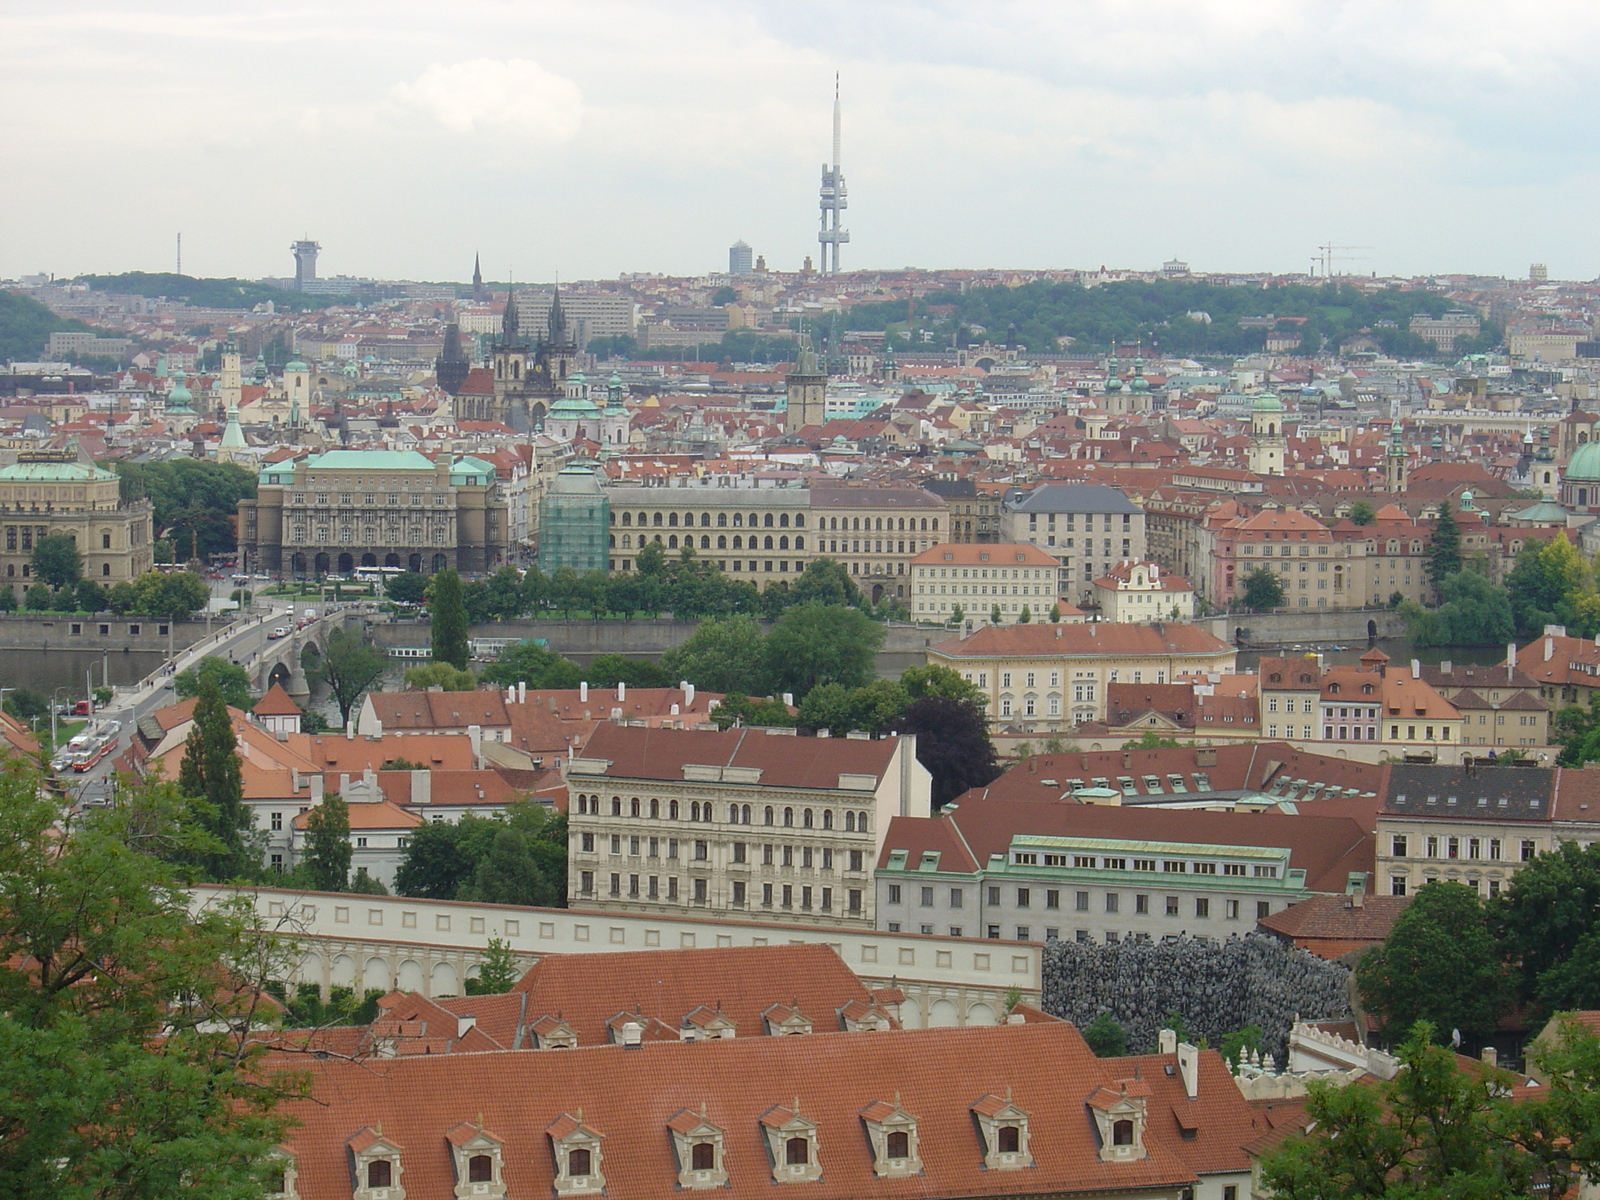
54,472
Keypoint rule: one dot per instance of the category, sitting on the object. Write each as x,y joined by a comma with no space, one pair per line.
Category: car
282,631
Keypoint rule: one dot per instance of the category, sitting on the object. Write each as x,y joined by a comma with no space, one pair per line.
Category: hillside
204,293
26,326
1169,315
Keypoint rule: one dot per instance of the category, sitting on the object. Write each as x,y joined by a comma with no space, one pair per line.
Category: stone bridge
279,661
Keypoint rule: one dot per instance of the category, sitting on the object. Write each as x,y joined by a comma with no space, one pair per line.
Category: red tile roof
783,759
1099,639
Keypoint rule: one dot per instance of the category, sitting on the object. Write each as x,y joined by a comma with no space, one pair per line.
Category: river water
45,670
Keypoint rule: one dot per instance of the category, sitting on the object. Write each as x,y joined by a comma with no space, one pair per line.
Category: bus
374,574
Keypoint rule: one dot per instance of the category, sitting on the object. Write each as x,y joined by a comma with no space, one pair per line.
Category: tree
1549,585
362,884
821,643
1026,616
127,1063
952,743
328,844
1472,612
176,596
193,501
1262,590
408,587
441,675
827,582
210,776
498,971
1440,964
520,859
958,615
448,609
349,667
1545,924
724,654
534,665
123,597
8,598
739,709
1444,546
994,614
89,596
504,593
232,680
1105,1037
608,670
1361,513
39,598
1439,1130
25,704
56,561
440,857
1151,740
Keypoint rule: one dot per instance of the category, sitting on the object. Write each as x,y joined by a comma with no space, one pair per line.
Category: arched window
738,520
783,543
705,813
705,520
655,807
577,1162
634,806
827,818
722,520
799,520
745,815
849,822
722,542
672,541
799,543
627,540
861,822
897,1144
644,519
380,1173
768,820
797,1152
658,519
672,810
768,521
755,520
805,818
738,542
705,542
672,520
616,806
627,519
768,543
694,811
1010,1139
480,1169
788,818
783,521
703,1157
902,525
1122,1133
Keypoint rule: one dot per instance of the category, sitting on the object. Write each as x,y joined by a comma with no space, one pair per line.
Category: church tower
1394,461
231,382
1266,435
807,389
510,355
479,292
560,349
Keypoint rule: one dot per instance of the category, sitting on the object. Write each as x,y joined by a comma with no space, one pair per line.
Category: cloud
516,95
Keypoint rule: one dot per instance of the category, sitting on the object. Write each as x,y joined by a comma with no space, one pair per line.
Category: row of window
1168,866
1069,521
811,857
391,499
1172,905
1488,849
738,520
722,542
788,896
790,817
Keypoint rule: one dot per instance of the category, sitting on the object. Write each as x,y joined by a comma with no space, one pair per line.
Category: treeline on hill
26,326
204,293
1170,316
193,502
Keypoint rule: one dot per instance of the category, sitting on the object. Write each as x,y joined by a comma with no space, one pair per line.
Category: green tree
89,596
994,614
176,596
1105,1037
821,643
1262,590
128,1066
1438,1131
441,857
1026,616
958,615
1550,584
193,501
940,681
210,777
498,971
827,582
25,704
534,665
608,670
349,667
1444,546
232,680
39,598
56,561
8,598
328,851
1361,513
1548,926
952,743
1472,612
724,654
123,597
362,884
739,709
1440,964
408,587
449,613
441,675
1151,740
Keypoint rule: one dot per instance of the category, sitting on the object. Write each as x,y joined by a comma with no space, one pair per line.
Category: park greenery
130,1063
26,326
192,500
205,293
517,857
232,680
1461,962
1449,1132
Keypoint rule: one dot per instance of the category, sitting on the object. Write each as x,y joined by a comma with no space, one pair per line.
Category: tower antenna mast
832,199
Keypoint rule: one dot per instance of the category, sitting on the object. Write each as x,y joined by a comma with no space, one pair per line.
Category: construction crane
1330,253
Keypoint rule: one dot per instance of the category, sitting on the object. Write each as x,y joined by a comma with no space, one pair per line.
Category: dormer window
791,1144
282,1173
698,1145
553,1033
377,1166
893,1134
1004,1130
576,1147
707,1024
1120,1116
785,1020
477,1156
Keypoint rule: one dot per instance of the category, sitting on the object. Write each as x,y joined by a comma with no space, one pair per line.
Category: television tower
832,198
305,262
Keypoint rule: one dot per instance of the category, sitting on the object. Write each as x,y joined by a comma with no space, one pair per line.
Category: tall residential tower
832,199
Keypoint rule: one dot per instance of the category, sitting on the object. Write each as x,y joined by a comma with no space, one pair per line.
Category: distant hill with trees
26,326
1173,317
203,293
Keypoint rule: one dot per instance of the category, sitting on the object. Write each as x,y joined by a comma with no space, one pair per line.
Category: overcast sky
603,136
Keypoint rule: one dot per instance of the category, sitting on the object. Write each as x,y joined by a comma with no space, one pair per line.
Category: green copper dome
294,364
179,397
1584,467
1266,402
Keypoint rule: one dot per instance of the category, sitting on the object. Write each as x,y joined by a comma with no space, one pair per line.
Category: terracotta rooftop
784,760
1096,639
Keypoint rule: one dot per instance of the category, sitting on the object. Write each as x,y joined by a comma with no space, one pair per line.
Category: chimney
344,782
1445,666
622,690
1491,1056
1549,648
583,692
349,731
1416,668
1356,889
632,1035
688,695
294,779
1058,631
788,699
674,710
1166,1042
1189,1068
522,691
511,695
475,736
422,787
316,788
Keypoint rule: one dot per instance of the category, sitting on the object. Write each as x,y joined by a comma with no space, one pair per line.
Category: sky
586,139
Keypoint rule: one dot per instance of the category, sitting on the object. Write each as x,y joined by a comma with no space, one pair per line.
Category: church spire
509,329
477,277
560,334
